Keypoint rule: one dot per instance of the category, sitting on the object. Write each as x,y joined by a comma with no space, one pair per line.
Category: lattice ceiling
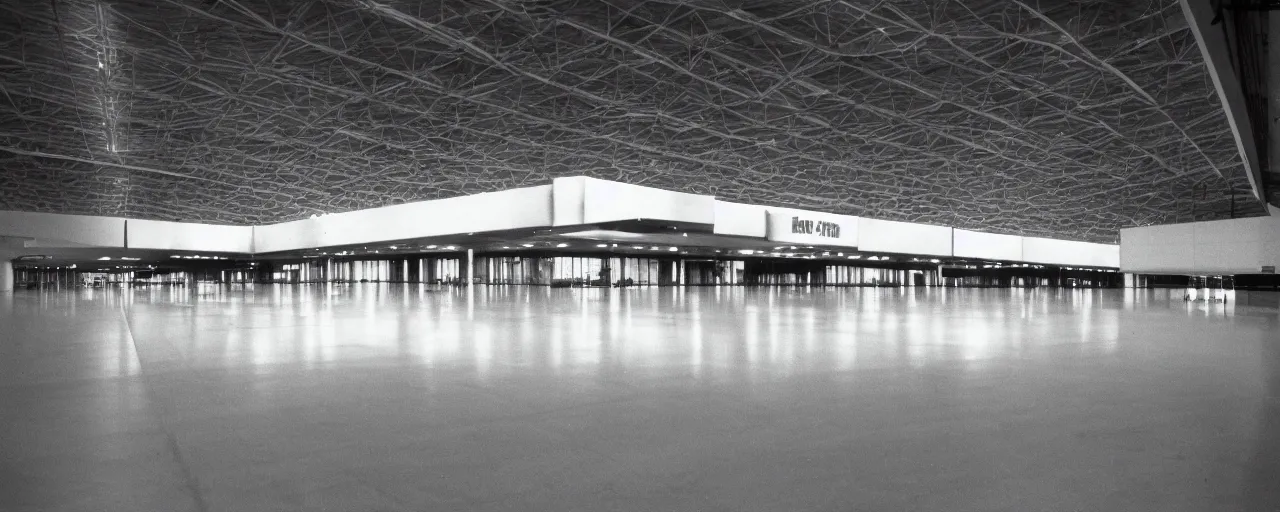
1062,118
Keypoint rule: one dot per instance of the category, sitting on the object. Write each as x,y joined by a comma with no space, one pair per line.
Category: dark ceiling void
1064,118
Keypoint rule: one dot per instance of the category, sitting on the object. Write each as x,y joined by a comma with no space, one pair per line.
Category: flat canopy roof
1062,119
566,213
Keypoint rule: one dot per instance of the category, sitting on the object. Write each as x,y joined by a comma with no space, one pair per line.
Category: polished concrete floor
396,398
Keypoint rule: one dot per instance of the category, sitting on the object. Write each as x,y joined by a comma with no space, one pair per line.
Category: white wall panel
183,236
1232,246
903,237
740,219
1156,248
1153,257
1068,252
286,236
495,211
976,244
73,230
812,228
608,201
567,200
1269,232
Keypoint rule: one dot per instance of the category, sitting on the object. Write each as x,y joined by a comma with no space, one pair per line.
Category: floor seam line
189,479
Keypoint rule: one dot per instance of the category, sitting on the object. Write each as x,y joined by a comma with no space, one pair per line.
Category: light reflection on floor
408,397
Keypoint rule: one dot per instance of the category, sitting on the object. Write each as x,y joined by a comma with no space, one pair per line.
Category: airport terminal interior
617,255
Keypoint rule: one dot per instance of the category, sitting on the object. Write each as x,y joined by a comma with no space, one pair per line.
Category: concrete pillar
471,266
6,276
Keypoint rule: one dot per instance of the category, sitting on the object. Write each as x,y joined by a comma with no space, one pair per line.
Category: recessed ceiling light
602,245
562,245
526,245
105,258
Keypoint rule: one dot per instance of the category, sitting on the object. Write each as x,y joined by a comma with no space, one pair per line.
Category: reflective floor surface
403,397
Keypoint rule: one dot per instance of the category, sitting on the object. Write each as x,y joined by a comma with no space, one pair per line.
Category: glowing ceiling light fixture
126,258
431,247
602,245
506,247
175,256
105,258
673,249
637,247
935,261
449,248
562,245
394,247
746,251
526,245
654,248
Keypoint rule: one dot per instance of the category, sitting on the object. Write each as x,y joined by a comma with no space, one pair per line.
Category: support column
6,276
471,266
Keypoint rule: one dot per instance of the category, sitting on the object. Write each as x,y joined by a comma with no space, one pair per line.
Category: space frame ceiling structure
1064,119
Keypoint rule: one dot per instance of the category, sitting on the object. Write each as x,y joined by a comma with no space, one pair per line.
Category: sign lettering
819,228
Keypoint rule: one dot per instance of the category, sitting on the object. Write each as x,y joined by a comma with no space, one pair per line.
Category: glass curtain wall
714,272
849,275
408,270
516,270
577,271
